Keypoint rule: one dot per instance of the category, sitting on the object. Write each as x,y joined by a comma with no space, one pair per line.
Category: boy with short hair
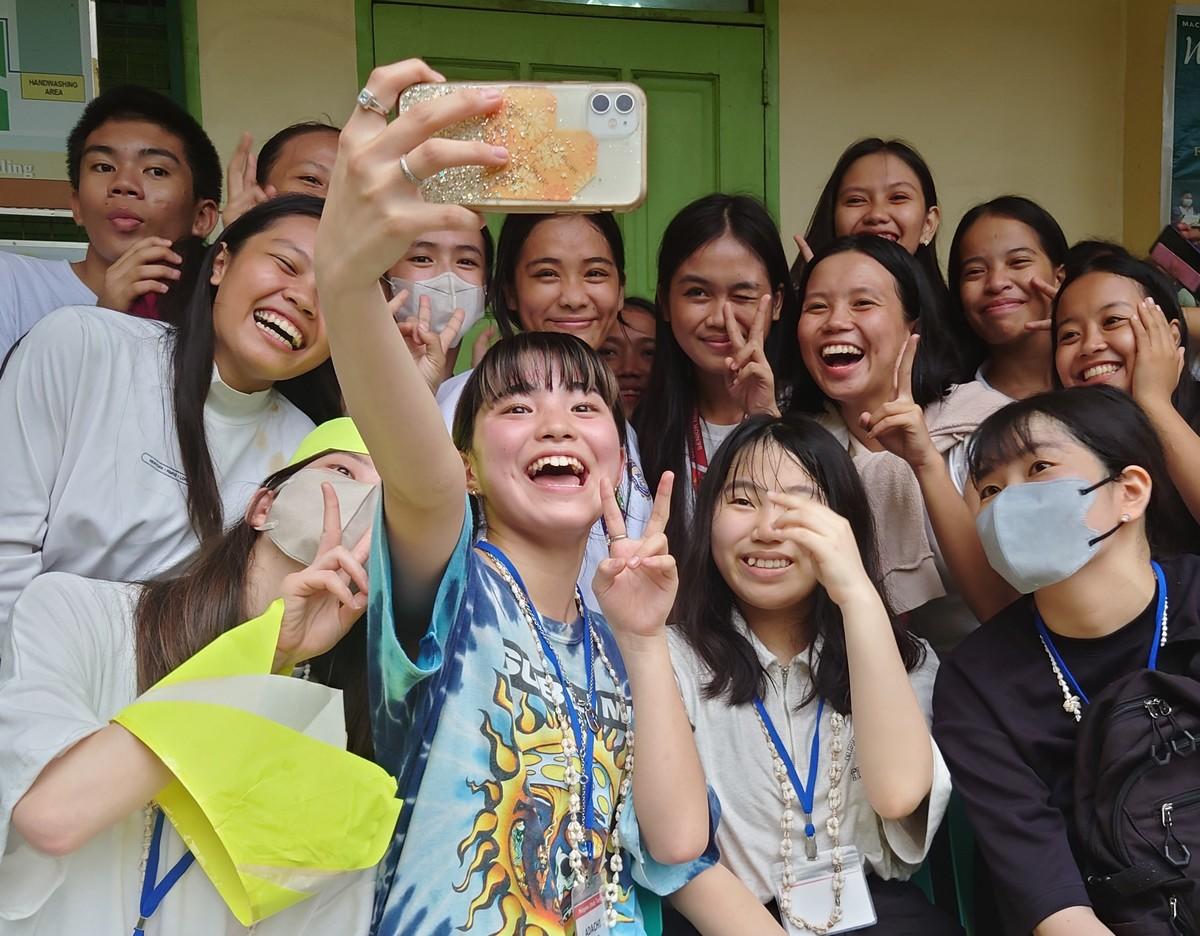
143,174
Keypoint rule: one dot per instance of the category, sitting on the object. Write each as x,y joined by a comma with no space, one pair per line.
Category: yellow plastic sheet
264,792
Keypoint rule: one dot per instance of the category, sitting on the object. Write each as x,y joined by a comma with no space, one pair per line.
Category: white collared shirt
738,765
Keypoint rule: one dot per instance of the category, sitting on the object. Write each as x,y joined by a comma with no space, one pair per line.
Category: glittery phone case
573,146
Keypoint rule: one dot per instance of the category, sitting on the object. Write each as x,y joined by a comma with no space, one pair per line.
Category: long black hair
193,344
821,230
937,364
1111,425
706,604
1101,258
665,411
513,235
1051,239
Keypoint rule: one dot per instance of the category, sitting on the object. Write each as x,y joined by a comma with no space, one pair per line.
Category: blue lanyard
804,794
153,892
1152,658
582,728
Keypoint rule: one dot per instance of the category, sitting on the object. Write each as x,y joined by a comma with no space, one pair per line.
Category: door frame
766,16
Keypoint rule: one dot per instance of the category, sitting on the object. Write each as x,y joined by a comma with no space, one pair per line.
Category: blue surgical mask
1036,534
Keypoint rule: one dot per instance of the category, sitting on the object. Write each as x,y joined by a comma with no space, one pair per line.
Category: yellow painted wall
265,64
1023,96
1060,100
1145,37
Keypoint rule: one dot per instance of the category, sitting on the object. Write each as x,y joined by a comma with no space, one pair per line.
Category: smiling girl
781,630
1076,514
722,283
862,301
133,440
1117,323
1006,260
564,274
504,705
81,792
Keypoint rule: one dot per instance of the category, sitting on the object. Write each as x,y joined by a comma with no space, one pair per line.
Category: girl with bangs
1079,517
502,702
563,274
803,692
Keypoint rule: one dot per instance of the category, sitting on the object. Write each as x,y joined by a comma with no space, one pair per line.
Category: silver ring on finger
367,101
408,173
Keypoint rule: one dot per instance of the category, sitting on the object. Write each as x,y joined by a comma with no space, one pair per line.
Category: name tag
812,893
587,911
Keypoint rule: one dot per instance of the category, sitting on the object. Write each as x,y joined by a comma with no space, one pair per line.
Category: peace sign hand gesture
1049,292
750,379
899,425
430,349
636,585
318,605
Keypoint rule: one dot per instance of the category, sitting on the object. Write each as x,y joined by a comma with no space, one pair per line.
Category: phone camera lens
624,103
601,103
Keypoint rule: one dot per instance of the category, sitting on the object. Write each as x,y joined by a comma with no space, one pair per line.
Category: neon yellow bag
264,792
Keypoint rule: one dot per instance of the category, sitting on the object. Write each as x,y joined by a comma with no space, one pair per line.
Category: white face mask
296,518
446,293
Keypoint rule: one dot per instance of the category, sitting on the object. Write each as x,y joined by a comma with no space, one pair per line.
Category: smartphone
1179,257
573,146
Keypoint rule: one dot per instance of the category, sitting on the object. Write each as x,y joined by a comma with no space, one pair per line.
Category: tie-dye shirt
477,751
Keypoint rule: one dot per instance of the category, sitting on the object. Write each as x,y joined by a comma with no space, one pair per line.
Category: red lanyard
699,457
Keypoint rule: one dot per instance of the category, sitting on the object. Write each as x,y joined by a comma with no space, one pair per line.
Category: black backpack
1137,803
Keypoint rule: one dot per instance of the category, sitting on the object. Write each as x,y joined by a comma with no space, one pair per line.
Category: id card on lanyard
812,892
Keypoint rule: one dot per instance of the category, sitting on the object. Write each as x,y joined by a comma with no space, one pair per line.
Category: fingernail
635,562
500,152
438,76
360,601
491,95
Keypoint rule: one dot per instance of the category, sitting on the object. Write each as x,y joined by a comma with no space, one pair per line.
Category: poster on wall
47,76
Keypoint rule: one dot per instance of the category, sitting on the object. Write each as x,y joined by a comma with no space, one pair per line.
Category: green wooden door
703,83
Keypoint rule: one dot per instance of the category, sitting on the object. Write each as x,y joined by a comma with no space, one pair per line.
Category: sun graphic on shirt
515,856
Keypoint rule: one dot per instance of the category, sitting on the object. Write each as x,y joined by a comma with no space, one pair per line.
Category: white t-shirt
633,493
739,767
92,477
32,288
68,667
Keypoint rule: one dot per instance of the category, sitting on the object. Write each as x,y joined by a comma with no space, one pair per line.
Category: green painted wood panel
703,82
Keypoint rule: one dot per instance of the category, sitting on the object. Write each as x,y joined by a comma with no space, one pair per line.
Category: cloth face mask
296,518
446,293
1036,534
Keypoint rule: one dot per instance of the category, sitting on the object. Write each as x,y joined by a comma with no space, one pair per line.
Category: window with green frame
138,42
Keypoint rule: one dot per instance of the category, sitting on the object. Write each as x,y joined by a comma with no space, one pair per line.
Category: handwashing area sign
47,75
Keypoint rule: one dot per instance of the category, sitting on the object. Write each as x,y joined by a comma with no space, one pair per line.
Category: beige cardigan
910,575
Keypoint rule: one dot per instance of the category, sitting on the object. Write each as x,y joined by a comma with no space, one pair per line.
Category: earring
1125,518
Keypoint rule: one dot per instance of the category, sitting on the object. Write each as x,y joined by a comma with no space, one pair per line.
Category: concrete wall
265,64
1024,96
1060,100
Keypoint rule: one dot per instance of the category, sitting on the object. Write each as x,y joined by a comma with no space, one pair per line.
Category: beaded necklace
832,826
574,773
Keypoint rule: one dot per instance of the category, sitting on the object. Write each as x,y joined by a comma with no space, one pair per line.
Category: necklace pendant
1071,706
810,847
